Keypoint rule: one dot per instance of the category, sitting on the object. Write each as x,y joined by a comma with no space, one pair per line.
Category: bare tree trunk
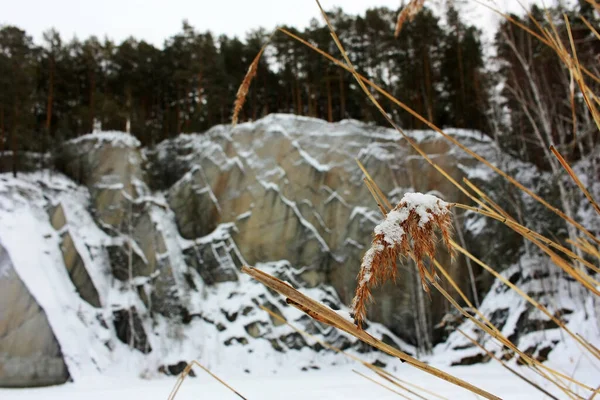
92,77
50,96
13,140
342,97
461,77
2,131
544,134
298,98
428,91
177,111
329,101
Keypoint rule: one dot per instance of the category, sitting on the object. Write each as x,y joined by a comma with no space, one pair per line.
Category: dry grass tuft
240,98
409,229
408,13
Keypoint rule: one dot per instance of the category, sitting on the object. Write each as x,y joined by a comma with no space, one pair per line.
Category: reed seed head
408,230
408,13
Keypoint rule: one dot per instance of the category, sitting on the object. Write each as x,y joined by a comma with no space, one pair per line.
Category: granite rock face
30,355
293,190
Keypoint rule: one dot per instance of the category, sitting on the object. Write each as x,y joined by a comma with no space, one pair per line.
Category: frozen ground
334,383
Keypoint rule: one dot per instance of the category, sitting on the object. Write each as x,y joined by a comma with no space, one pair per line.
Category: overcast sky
156,20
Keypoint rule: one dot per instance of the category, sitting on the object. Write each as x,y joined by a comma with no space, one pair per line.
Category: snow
117,139
332,383
367,263
425,205
390,228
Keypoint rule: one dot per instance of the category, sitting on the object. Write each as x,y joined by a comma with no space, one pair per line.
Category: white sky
156,20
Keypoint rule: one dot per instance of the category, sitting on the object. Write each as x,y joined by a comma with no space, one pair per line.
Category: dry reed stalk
544,243
381,384
185,373
486,198
534,303
242,92
590,27
378,370
509,344
531,32
514,225
385,375
376,103
364,80
557,260
491,329
374,185
512,370
503,341
326,315
586,247
408,13
409,228
594,4
573,176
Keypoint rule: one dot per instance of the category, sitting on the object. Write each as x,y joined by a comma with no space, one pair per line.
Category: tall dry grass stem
380,371
242,92
381,384
408,13
186,372
506,366
577,181
388,96
494,332
326,315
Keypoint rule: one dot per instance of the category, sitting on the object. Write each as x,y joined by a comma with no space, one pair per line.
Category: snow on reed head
409,229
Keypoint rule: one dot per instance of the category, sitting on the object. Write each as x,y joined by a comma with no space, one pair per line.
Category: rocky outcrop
154,268
29,352
111,165
293,190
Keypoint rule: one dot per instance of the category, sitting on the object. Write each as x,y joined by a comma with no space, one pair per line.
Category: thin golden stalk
573,176
531,32
187,370
374,185
572,62
530,362
594,4
326,315
374,368
245,86
509,344
487,199
537,305
585,246
381,384
590,27
385,376
512,370
446,136
492,330
374,194
532,235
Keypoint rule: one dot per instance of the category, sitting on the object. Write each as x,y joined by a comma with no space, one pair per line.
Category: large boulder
29,352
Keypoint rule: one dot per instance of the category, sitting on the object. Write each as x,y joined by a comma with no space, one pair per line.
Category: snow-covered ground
334,383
